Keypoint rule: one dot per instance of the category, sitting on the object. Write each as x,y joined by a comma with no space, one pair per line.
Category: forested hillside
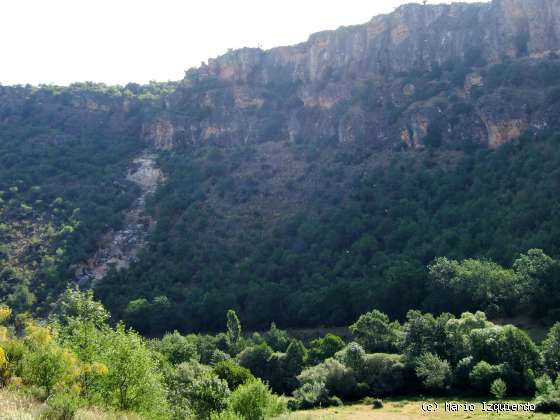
346,233
298,187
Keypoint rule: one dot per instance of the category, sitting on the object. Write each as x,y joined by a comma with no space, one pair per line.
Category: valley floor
14,406
410,410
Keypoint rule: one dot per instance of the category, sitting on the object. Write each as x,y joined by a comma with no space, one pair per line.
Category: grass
412,410
17,406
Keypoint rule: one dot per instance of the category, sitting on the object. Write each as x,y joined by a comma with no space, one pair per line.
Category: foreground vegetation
77,364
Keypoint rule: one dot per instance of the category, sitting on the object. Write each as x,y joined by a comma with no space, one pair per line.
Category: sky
121,41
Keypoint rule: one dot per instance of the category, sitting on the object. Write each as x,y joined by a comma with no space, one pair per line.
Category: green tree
353,356
321,349
177,348
207,395
276,338
482,376
75,305
311,394
83,323
539,273
423,333
232,373
457,330
434,372
472,284
46,366
233,330
294,361
256,358
498,388
551,350
376,333
134,381
383,373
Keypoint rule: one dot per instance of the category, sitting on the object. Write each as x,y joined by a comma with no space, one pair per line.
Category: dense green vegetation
360,240
314,236
64,154
60,190
77,360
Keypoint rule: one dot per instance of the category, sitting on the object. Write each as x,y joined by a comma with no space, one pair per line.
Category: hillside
349,227
303,185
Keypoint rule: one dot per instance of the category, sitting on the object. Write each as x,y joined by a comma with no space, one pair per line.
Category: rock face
356,83
414,36
419,76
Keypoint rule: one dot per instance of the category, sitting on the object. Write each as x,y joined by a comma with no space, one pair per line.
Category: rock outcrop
358,83
389,83
413,37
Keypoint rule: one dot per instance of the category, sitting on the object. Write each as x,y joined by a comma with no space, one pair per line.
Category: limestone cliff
453,75
368,82
413,37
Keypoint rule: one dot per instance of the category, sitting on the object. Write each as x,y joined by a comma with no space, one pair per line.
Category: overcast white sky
120,41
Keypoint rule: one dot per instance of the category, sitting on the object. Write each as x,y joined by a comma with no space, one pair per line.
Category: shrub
232,373
62,407
547,395
46,367
254,401
218,356
549,406
339,379
226,415
311,395
482,375
498,388
317,373
353,356
278,339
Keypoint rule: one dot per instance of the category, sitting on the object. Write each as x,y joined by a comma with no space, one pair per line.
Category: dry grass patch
17,406
410,410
